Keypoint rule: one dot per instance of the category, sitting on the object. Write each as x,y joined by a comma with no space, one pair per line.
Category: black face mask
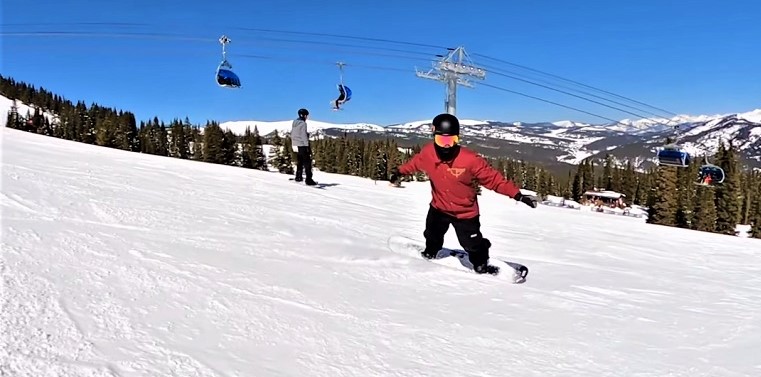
447,154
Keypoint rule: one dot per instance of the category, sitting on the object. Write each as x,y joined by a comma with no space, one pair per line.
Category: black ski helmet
303,113
446,124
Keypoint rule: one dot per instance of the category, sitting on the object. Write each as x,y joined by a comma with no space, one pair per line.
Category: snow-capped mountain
557,143
265,128
566,141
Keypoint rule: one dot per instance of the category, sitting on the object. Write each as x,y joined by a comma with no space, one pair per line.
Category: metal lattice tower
453,69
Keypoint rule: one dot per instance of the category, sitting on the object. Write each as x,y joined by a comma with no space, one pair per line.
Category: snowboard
318,185
514,272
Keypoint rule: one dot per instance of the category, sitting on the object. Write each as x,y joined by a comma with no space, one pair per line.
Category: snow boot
429,254
486,269
310,182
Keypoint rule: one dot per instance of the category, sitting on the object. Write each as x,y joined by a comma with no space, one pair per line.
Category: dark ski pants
304,163
468,233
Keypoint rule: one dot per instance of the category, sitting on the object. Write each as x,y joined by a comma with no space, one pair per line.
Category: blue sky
696,58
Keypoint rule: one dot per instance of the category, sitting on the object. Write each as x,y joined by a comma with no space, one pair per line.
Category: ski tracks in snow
89,328
40,337
113,265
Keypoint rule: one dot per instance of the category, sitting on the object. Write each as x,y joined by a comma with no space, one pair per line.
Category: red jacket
451,182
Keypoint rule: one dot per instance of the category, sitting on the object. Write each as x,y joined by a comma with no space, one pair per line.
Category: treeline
670,193
118,129
674,198
374,159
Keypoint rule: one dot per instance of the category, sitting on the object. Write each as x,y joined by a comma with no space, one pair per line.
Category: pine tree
755,212
198,145
705,210
663,208
685,195
276,151
163,140
213,143
247,145
285,165
728,193
105,133
746,198
354,157
607,173
380,162
259,161
629,183
576,191
342,164
231,149
177,146
568,189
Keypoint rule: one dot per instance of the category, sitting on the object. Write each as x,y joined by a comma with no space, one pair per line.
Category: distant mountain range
563,142
554,144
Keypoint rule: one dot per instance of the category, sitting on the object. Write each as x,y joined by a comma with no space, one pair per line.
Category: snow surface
123,264
753,116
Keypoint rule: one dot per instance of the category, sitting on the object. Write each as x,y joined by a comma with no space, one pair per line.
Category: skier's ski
412,248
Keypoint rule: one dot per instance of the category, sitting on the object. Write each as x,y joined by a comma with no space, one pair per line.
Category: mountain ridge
557,144
563,142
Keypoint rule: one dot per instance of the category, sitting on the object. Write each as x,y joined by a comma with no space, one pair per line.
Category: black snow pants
468,233
304,163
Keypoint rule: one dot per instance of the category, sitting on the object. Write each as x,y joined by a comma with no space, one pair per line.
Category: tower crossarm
456,68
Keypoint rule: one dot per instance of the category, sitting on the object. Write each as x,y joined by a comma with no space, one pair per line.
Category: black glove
394,175
526,199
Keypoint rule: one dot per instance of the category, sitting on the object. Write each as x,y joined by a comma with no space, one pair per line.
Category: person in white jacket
300,143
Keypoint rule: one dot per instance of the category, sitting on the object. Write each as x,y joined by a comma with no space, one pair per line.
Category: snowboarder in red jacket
451,169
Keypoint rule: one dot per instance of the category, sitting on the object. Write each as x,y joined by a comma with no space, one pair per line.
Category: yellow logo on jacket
456,172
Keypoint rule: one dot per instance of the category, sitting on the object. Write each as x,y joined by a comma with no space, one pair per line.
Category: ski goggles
446,140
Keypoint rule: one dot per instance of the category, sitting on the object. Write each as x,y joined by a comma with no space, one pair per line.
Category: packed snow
123,264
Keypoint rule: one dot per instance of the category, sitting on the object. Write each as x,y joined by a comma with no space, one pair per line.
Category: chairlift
710,174
226,78
671,155
344,93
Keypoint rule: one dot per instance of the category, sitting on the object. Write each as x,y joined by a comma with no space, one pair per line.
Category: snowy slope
121,264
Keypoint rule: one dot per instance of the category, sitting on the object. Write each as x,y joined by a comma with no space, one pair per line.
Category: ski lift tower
453,69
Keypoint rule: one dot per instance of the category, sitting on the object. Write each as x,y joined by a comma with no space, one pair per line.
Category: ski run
123,264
